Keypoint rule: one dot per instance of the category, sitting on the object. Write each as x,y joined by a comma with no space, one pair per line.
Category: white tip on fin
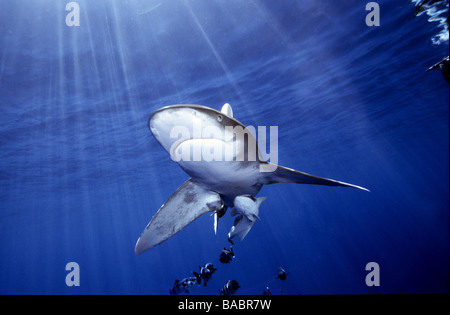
216,222
226,109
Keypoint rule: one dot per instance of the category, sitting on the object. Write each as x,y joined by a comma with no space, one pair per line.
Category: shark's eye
219,118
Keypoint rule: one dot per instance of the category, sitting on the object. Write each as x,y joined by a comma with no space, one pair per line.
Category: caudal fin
288,175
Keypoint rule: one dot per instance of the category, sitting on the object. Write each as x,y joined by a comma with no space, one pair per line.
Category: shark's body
188,133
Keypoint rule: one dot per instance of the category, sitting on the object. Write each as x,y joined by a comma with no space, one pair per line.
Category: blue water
81,174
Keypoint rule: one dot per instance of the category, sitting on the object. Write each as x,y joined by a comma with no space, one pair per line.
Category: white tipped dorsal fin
226,109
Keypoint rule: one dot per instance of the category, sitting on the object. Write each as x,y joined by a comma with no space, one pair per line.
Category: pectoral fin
288,175
188,203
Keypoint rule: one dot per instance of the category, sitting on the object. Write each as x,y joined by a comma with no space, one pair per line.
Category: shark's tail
288,175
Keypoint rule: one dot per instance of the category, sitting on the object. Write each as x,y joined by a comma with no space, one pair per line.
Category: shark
214,149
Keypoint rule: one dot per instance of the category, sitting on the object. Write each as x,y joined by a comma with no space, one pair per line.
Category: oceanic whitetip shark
185,131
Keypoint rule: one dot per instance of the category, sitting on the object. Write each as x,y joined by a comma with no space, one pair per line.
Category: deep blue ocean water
81,174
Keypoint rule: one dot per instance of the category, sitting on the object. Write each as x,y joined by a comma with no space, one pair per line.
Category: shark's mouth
202,150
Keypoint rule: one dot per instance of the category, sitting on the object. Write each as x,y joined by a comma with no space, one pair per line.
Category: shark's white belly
229,179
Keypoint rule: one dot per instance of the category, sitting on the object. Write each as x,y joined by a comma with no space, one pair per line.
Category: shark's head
172,124
211,146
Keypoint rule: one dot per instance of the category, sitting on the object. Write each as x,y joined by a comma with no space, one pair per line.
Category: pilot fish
230,287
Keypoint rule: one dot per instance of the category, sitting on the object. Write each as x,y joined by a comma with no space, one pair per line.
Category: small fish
267,291
230,287
226,255
206,273
282,274
183,286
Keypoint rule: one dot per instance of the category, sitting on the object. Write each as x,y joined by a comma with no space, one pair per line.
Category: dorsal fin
226,109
